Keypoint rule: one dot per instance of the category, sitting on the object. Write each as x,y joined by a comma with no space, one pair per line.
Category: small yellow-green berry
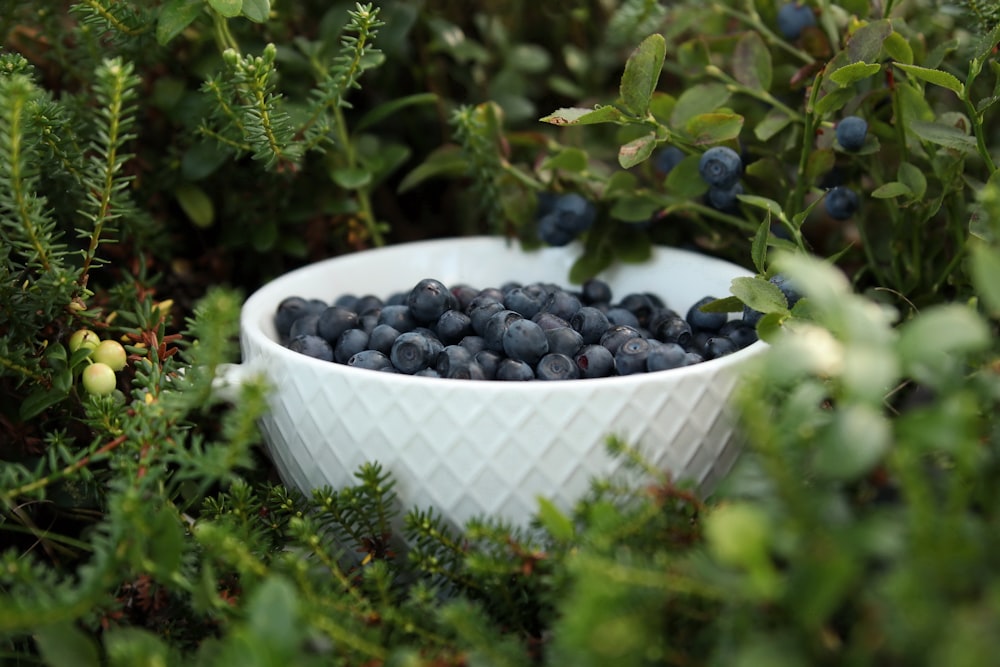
83,339
99,379
112,353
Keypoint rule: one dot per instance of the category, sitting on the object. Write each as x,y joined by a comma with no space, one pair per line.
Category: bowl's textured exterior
469,448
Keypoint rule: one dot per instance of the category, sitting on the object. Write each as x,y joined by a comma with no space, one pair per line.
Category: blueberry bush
160,160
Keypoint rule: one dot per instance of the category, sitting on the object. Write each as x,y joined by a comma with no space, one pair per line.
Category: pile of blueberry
535,331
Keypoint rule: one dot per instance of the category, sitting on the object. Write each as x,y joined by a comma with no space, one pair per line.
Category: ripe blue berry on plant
851,132
566,217
667,159
720,167
793,18
841,203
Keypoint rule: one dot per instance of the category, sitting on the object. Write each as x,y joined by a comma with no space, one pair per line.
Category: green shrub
156,161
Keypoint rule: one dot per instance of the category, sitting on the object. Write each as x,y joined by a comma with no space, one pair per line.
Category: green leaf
865,44
584,116
590,263
892,190
758,247
760,294
935,76
913,177
773,123
699,99
227,8
135,647
769,205
40,400
174,17
63,644
752,62
642,72
554,521
274,613
713,128
897,48
635,208
637,150
632,246
257,11
942,330
943,135
857,439
444,161
833,101
351,178
985,269
196,204
620,183
568,159
383,111
684,180
729,304
850,74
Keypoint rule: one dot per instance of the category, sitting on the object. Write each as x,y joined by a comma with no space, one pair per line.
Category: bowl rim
254,306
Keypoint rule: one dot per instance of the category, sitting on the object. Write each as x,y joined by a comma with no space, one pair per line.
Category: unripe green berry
737,534
83,339
112,353
99,379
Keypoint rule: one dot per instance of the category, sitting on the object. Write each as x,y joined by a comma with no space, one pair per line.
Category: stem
810,124
753,20
976,117
17,179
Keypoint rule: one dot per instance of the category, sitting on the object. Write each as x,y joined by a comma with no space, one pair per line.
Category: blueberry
851,132
594,291
841,203
496,327
307,325
720,167
671,328
718,346
367,302
481,310
411,352
551,233
369,359
555,366
453,326
562,303
564,340
620,316
724,199
456,362
397,316
382,337
692,358
740,332
348,301
549,321
567,217
473,343
793,18
311,346
667,159
618,334
464,294
488,361
594,361
289,310
751,317
423,372
591,323
525,300
630,357
428,299
666,356
334,321
786,287
350,343
514,370
525,341
640,305
702,321
369,319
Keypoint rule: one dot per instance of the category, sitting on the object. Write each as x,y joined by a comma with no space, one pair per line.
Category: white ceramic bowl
469,448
